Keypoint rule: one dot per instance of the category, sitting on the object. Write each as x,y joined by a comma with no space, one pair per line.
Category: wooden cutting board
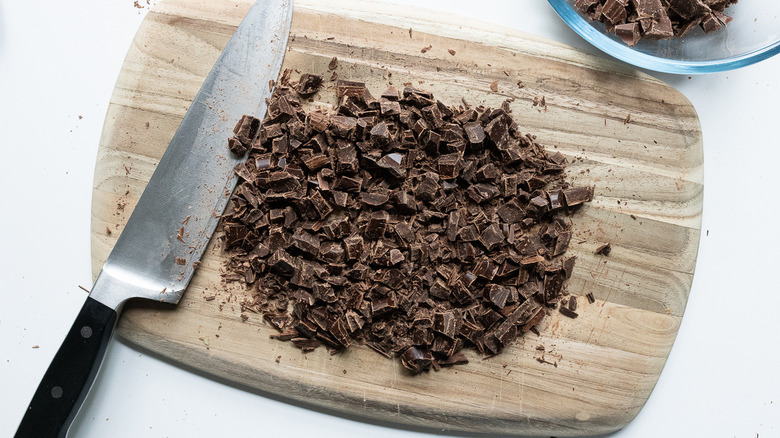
595,372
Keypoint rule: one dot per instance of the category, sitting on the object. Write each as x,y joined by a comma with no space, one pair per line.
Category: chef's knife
174,218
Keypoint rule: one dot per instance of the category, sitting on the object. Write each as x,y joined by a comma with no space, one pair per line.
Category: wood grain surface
595,373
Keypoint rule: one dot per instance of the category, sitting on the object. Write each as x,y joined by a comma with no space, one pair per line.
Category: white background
59,60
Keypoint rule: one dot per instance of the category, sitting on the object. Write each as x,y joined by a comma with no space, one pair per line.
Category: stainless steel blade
193,181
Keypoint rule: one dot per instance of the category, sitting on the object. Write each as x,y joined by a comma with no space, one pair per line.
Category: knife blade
175,217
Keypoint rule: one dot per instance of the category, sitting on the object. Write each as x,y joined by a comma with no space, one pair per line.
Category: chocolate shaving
415,228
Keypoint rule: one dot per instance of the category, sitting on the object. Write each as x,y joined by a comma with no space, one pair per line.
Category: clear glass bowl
753,36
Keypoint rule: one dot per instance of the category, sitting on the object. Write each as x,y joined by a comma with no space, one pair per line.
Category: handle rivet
86,332
56,392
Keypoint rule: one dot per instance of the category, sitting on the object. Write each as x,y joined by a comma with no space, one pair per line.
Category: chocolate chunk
491,237
486,268
511,212
389,108
383,305
440,290
449,165
350,88
353,247
380,135
283,263
614,11
377,224
498,294
347,161
318,121
246,129
689,9
474,132
482,192
710,23
455,359
308,84
306,242
573,303
236,146
320,204
562,243
343,126
405,203
568,312
375,199
416,360
428,187
392,164
590,297
316,161
349,184
604,249
577,195
305,344
539,205
331,252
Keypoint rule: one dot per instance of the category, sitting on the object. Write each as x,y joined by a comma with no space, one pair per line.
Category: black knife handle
70,375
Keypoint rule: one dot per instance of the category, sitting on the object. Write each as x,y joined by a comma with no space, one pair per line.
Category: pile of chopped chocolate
400,223
632,20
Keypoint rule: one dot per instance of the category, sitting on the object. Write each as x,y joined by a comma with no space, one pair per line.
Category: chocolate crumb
425,49
494,86
452,52
333,64
604,249
591,298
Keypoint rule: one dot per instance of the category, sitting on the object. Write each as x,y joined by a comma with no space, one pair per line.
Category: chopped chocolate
591,298
415,228
631,20
604,249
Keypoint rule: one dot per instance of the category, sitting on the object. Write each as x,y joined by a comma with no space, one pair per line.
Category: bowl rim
626,54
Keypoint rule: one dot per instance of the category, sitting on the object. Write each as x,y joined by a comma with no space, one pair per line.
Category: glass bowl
753,36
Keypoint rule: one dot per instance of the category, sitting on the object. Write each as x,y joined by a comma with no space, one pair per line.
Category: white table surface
58,64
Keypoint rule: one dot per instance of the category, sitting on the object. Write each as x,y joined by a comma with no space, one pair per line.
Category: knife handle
70,375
